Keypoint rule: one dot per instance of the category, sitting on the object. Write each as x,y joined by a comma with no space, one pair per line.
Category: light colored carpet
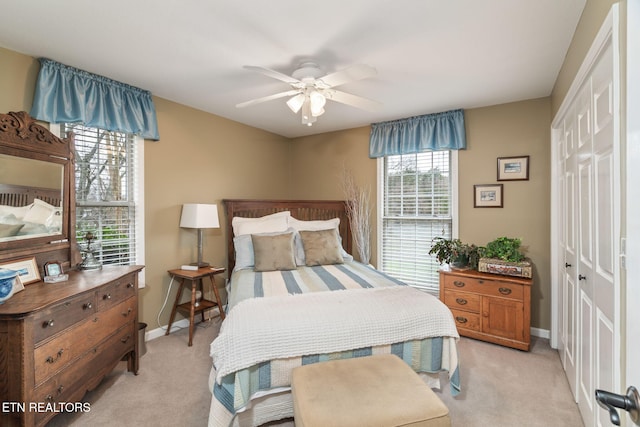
501,387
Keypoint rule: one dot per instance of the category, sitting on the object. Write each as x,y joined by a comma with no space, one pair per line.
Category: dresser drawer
495,288
467,320
59,317
67,383
116,291
462,301
52,356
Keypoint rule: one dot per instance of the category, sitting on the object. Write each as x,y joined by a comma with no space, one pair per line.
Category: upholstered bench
380,390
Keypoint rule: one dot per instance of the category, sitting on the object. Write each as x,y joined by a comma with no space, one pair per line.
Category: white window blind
105,172
417,206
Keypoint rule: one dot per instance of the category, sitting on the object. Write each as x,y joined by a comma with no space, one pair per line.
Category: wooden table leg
192,310
175,307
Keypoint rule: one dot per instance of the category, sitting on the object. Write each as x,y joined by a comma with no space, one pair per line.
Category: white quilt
263,329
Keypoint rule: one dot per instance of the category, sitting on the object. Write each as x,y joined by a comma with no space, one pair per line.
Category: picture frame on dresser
27,269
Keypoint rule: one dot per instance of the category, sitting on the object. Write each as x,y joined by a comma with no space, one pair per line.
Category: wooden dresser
489,307
57,341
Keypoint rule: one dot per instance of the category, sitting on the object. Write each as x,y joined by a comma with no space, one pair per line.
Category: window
418,204
107,174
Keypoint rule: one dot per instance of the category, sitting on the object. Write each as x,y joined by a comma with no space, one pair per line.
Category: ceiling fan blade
273,74
353,100
355,72
268,98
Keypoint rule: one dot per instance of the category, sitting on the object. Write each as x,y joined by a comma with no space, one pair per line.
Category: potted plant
504,256
455,253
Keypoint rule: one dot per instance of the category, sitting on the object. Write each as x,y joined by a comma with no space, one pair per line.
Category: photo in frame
27,269
52,268
487,195
513,168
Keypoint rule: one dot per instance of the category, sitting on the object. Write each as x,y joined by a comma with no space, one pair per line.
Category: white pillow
318,225
18,211
273,223
39,212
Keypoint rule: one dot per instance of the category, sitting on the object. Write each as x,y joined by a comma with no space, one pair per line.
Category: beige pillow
273,252
322,247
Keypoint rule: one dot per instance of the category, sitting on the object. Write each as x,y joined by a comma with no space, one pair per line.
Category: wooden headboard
19,195
304,210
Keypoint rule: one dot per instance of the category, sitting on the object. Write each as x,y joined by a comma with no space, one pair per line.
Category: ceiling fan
310,89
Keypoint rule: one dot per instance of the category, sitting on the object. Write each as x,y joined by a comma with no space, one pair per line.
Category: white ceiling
431,55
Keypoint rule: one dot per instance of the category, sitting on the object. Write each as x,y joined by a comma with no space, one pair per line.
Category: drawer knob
60,389
461,301
458,284
129,285
48,323
125,339
49,398
87,306
107,296
50,359
126,313
581,277
504,291
461,319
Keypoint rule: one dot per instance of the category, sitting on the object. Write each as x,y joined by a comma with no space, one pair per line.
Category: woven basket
506,268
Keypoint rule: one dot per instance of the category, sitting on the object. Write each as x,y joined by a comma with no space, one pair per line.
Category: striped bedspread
232,393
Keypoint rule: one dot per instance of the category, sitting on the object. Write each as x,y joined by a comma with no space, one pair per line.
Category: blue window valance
68,95
439,131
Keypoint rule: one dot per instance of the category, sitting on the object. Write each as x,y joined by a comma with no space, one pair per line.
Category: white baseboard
541,333
182,323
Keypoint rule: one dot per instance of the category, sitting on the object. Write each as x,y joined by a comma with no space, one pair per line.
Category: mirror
37,201
31,198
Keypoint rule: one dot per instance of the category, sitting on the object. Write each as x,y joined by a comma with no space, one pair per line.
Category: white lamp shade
195,215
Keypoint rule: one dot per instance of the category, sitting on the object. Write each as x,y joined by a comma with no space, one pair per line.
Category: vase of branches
358,201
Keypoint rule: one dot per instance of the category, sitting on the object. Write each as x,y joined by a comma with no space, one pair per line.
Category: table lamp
200,216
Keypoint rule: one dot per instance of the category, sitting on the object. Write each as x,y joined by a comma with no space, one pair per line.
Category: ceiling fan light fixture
295,103
317,101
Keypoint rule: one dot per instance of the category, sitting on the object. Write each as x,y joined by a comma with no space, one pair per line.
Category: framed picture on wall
513,168
487,196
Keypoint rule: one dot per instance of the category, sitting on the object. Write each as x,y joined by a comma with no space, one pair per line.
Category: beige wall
515,129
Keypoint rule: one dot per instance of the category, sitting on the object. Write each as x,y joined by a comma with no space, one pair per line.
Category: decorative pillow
10,230
315,225
276,222
273,252
322,247
39,212
54,221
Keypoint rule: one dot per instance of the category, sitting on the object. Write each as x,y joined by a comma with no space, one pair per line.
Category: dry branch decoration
358,210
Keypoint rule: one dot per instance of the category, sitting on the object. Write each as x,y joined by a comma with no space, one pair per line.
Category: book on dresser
489,307
59,340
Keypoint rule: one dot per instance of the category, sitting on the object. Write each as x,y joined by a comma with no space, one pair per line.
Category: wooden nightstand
189,308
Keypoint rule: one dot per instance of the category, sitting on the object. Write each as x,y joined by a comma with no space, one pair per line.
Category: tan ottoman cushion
380,390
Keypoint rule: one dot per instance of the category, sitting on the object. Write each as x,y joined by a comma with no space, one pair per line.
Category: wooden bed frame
18,195
304,210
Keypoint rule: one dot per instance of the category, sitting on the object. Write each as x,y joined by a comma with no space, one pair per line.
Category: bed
29,211
296,296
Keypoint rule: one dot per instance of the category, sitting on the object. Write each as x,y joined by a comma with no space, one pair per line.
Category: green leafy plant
504,248
454,252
